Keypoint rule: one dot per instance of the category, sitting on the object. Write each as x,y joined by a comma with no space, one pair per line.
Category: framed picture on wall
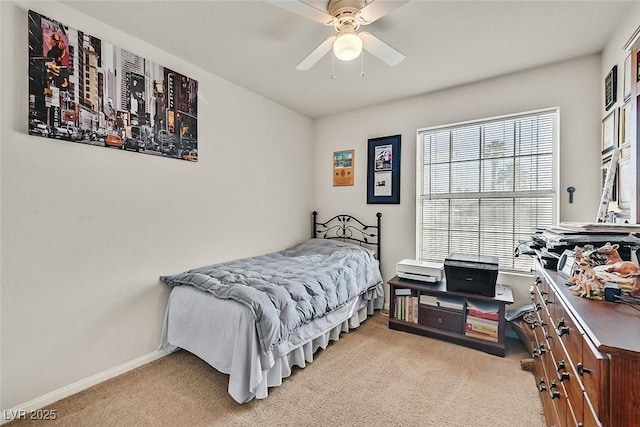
624,183
625,125
626,79
343,168
85,90
610,88
609,132
383,170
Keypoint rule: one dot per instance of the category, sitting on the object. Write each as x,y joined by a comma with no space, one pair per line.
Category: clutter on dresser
596,268
548,245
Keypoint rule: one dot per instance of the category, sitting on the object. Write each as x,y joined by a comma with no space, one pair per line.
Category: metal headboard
348,228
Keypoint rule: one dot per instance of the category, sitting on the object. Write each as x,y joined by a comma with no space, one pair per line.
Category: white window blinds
483,186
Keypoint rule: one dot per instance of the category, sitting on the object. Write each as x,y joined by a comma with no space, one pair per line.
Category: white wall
574,86
87,231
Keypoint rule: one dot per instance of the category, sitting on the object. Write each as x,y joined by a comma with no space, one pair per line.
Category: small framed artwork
610,82
625,125
383,170
625,179
609,132
626,79
343,168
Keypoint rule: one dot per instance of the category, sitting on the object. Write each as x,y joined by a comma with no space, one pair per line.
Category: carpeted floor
372,376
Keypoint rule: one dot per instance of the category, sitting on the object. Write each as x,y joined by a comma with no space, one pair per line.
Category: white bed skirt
223,334
303,354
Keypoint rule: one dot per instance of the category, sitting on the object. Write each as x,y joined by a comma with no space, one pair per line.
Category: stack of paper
450,302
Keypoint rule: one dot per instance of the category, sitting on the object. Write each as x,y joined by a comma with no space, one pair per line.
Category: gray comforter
287,289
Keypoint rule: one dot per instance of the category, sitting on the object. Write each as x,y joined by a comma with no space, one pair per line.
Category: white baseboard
25,409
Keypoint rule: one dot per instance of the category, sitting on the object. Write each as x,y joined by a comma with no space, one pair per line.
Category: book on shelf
406,308
428,300
483,322
483,329
483,315
481,336
403,291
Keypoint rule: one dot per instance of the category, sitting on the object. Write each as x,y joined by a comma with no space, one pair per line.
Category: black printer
472,274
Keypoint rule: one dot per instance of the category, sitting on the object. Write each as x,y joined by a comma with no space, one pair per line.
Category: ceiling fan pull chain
333,67
362,65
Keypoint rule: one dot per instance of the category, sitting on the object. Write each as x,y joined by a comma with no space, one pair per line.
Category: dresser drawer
572,387
590,418
551,406
592,370
441,318
568,333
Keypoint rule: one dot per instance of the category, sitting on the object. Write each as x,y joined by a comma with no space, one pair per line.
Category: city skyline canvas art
85,90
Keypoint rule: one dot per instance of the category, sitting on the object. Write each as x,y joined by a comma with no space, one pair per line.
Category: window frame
555,162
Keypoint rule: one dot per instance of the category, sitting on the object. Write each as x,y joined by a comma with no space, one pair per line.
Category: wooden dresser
587,356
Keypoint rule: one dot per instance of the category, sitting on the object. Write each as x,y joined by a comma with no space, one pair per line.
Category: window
483,186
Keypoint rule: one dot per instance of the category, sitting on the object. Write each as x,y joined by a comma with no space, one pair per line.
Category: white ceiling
447,43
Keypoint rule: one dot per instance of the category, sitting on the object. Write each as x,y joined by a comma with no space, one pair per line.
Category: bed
256,318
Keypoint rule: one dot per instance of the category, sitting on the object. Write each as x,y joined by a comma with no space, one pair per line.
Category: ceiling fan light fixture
347,47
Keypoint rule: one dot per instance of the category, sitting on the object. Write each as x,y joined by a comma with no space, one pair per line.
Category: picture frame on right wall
610,88
626,79
624,183
625,125
609,132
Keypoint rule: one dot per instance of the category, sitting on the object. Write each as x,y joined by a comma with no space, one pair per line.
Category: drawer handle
561,366
538,306
535,353
563,330
554,394
560,322
537,281
534,324
541,386
553,384
543,349
563,376
582,370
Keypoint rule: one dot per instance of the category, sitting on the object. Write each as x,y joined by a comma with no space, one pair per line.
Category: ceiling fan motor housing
347,16
345,12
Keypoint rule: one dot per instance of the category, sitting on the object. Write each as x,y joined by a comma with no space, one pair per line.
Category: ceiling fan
347,16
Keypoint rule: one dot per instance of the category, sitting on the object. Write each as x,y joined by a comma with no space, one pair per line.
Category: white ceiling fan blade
377,9
306,10
380,49
317,54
